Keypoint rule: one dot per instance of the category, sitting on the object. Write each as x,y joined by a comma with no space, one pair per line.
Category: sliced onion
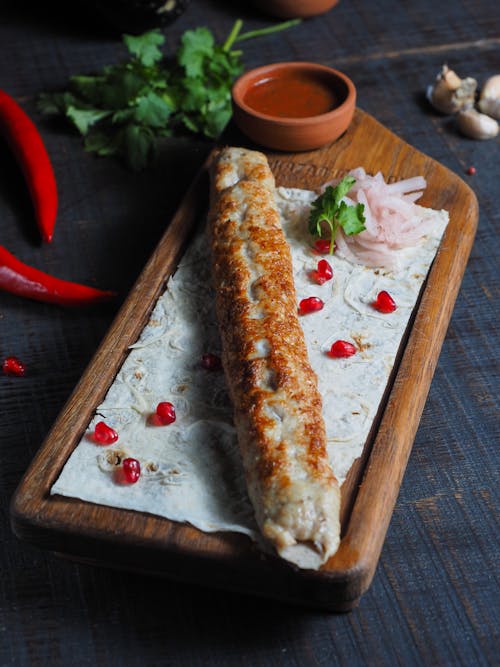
393,220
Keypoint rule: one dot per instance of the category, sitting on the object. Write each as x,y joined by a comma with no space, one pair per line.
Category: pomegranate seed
104,434
384,302
322,246
342,348
13,366
471,170
131,470
165,412
211,362
323,273
310,305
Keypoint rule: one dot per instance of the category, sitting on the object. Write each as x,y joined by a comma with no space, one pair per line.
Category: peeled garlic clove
477,125
450,93
489,102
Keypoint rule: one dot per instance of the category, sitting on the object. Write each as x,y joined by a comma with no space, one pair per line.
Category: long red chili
30,152
24,280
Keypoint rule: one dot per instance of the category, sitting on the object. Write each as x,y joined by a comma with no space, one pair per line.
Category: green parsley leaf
323,209
145,47
52,104
342,188
152,110
89,88
138,145
196,46
102,143
205,90
84,119
122,87
328,210
351,218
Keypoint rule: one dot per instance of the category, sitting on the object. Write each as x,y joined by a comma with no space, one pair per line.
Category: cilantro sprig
330,213
127,107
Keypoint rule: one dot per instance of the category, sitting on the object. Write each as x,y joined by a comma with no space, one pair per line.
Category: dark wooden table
434,599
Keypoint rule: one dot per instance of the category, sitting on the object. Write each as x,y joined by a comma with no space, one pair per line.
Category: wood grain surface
434,597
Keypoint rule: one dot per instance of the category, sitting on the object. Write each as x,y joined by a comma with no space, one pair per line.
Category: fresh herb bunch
329,212
127,107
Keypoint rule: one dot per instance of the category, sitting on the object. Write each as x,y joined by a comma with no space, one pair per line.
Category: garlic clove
489,101
450,93
452,80
477,125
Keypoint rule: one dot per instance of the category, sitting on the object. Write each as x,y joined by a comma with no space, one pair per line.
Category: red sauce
292,95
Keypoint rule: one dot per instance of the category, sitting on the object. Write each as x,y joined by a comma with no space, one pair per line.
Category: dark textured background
434,599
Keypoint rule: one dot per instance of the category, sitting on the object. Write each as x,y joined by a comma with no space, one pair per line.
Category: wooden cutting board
142,542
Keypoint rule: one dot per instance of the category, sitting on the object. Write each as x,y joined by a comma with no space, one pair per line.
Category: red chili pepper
29,150
24,280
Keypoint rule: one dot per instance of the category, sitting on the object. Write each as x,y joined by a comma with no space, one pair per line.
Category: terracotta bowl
294,121
289,9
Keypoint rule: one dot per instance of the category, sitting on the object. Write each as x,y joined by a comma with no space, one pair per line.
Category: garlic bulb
489,102
450,93
477,125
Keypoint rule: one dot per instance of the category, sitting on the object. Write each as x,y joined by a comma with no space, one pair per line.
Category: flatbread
191,470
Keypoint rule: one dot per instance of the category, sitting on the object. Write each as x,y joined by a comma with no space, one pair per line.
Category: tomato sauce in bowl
292,95
293,106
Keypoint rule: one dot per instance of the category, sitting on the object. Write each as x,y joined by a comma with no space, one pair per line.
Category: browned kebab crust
277,405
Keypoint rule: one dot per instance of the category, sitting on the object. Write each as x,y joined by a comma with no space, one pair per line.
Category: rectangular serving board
142,542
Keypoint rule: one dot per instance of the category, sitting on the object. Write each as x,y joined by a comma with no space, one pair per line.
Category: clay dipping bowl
289,9
293,106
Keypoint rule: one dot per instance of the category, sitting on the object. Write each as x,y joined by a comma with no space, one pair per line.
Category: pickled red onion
393,220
